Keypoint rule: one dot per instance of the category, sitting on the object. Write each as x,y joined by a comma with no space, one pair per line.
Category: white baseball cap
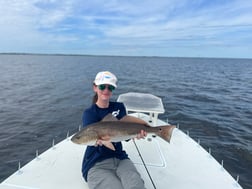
105,77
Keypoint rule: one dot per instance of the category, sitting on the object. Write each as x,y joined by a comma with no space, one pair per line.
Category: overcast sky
173,28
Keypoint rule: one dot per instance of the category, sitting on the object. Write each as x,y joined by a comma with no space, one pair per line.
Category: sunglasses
109,87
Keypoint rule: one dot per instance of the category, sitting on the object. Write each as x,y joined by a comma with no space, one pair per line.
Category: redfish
119,130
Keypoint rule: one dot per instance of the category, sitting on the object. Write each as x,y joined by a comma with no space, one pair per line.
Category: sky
169,28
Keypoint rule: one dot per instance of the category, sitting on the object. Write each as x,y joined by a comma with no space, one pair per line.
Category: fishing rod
144,165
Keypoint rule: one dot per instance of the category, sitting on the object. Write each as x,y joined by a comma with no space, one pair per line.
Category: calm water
42,98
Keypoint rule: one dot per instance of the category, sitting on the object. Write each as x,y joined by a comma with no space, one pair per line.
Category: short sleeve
89,116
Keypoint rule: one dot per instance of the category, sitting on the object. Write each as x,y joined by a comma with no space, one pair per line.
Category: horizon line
70,54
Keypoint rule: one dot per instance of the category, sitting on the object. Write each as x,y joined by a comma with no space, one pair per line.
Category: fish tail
165,132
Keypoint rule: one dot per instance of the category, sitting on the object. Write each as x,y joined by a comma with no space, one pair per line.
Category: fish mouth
76,139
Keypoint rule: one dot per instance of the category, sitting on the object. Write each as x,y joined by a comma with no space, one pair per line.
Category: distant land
59,54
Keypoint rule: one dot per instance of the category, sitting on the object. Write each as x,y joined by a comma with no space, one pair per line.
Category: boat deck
180,164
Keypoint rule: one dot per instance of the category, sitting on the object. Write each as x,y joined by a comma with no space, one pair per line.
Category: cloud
106,26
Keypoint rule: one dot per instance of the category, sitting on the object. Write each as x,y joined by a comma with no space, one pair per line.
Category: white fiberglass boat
180,164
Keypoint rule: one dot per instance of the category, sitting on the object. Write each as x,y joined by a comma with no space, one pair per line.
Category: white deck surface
180,164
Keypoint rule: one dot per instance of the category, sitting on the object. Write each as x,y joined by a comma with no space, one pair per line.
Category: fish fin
165,132
132,119
109,117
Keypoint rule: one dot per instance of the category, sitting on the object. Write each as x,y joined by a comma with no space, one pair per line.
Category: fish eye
77,137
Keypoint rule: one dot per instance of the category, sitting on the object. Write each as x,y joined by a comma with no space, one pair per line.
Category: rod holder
37,155
53,144
19,166
237,178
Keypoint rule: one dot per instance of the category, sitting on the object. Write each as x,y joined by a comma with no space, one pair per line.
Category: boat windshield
142,102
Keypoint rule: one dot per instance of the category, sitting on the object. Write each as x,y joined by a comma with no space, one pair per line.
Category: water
42,98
